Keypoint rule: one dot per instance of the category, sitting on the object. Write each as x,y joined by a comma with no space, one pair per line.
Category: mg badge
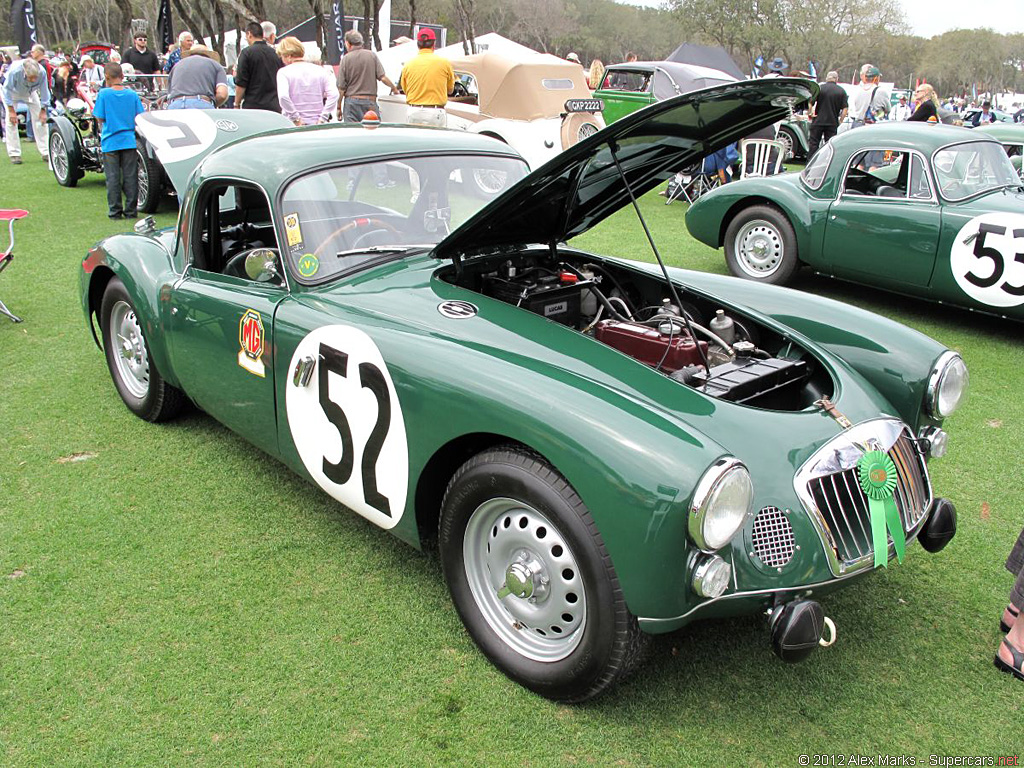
457,310
250,338
227,125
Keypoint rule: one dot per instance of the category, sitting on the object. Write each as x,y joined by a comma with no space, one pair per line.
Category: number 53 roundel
347,424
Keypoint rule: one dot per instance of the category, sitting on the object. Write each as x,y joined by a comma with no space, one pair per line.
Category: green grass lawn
171,596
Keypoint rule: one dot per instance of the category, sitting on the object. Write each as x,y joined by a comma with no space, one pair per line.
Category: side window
878,173
920,187
232,220
619,80
467,91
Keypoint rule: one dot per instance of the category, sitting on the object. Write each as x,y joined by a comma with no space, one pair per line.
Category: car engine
699,345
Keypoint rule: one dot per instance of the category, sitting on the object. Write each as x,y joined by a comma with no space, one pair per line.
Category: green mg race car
602,450
933,211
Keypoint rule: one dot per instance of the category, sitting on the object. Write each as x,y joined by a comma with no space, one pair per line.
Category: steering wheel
235,266
951,188
361,221
459,90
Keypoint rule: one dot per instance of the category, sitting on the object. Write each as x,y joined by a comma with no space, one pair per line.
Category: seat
10,216
760,157
692,183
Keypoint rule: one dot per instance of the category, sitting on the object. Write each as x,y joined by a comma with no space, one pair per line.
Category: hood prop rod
668,281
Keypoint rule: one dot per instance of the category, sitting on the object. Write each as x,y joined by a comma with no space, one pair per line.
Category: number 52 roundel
347,424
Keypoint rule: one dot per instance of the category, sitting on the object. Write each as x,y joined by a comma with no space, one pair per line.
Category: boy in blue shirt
115,111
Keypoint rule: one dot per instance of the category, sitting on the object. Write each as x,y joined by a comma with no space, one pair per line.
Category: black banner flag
164,32
23,20
335,33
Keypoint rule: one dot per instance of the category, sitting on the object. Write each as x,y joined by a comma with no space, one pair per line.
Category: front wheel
760,245
137,380
531,579
64,168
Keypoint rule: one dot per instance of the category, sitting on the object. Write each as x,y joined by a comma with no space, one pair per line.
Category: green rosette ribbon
878,480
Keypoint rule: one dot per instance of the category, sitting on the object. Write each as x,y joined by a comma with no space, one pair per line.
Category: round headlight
711,576
947,385
720,504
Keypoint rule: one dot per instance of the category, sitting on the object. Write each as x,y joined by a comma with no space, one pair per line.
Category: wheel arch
442,466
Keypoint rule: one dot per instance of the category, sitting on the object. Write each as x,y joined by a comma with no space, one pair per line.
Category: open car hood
581,186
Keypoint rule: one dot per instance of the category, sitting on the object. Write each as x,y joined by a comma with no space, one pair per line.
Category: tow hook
798,627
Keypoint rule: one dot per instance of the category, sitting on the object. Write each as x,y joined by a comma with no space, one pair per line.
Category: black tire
150,182
147,395
601,643
760,245
65,169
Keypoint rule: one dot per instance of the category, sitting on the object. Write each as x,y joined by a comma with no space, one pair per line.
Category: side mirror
261,265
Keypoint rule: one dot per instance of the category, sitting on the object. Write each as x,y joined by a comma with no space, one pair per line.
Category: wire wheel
131,358
759,248
785,138
490,182
525,579
59,158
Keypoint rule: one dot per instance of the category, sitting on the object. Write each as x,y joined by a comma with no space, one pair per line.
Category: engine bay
709,348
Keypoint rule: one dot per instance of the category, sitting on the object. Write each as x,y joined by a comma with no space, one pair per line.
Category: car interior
889,174
234,219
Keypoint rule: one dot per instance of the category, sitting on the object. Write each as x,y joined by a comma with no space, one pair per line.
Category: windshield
340,218
966,170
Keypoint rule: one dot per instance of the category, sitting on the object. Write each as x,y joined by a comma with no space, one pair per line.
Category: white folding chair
760,157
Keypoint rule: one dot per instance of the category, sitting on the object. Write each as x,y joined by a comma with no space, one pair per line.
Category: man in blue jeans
115,110
198,81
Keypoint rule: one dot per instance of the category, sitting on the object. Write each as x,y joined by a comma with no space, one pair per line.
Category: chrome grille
772,537
843,505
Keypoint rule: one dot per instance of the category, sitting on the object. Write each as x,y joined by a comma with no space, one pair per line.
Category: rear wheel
531,579
149,182
137,380
64,168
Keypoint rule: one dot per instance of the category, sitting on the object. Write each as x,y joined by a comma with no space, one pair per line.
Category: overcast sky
928,18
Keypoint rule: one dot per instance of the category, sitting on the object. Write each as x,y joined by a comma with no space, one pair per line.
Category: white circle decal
346,422
987,259
177,134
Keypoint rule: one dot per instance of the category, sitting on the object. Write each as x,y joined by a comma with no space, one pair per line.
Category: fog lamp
711,576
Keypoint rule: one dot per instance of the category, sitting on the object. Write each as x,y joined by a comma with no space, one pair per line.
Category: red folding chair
9,216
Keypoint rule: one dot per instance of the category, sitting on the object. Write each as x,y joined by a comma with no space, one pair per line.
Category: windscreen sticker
292,229
251,340
308,265
347,423
987,259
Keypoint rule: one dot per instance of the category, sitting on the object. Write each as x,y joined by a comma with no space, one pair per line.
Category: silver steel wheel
586,130
759,248
525,579
130,356
59,156
488,181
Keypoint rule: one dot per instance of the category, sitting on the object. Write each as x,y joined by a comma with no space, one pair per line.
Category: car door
884,226
222,322
624,91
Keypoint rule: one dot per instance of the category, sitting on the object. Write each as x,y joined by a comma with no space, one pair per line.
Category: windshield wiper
374,249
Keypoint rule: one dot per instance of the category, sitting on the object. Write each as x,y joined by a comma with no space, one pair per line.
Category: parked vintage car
596,463
628,87
933,211
1011,136
539,105
75,150
1001,117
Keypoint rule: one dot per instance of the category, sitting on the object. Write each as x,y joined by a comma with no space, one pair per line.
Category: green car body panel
902,245
632,442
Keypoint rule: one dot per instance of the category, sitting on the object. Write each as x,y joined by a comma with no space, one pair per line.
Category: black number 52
370,377
983,251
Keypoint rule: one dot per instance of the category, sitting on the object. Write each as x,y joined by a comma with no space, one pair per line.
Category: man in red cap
427,81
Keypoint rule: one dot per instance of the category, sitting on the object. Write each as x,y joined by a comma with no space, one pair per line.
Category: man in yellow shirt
427,81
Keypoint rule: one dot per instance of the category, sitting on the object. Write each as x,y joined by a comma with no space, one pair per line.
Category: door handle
303,371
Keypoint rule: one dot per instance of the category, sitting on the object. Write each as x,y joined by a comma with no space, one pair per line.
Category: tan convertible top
523,90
